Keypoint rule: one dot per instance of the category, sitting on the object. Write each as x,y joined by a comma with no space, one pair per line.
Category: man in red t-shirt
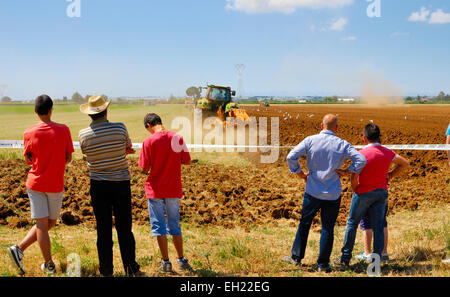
48,148
370,189
161,157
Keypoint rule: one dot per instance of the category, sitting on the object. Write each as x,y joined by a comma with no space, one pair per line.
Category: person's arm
144,159
27,150
68,158
448,152
354,182
129,150
292,160
358,162
69,148
401,164
185,155
80,141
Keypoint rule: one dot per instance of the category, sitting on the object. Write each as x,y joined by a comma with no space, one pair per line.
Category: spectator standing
161,157
370,189
48,148
105,146
325,153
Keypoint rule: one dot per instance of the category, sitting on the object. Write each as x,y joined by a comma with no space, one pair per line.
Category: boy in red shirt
48,148
161,157
370,189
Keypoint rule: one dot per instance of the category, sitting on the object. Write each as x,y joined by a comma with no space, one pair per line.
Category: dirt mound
213,194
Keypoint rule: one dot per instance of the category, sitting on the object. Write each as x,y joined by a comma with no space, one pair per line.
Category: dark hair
98,115
43,104
152,119
372,133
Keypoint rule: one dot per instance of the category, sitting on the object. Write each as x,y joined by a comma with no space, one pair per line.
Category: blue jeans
158,210
329,211
373,202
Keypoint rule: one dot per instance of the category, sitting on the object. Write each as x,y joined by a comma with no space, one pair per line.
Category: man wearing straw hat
106,146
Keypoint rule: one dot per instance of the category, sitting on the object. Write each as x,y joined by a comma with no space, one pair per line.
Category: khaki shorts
45,205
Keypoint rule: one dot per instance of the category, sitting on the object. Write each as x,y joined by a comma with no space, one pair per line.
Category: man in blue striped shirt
325,154
105,146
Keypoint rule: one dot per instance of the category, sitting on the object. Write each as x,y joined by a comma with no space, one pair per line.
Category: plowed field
263,193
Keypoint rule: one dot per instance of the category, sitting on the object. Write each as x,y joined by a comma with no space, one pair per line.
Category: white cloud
440,17
284,6
425,15
420,16
339,25
349,38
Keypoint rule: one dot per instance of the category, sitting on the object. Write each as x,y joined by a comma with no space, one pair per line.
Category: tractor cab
219,94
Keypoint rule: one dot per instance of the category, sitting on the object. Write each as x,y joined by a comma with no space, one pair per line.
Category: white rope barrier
18,144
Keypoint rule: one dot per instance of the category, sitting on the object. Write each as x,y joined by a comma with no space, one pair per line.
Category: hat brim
86,109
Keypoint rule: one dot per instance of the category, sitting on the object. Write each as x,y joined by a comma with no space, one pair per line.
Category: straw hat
95,105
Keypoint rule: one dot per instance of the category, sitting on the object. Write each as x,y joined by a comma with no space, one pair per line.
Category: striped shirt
104,145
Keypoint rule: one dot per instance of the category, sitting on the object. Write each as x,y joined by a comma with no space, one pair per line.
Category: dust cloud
376,91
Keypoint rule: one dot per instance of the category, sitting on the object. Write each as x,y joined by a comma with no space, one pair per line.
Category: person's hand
343,173
29,158
130,150
303,175
389,176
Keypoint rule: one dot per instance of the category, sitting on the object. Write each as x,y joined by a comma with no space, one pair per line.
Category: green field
15,119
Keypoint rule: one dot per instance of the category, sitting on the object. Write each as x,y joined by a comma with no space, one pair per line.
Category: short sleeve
26,144
80,140
127,137
69,147
185,156
394,155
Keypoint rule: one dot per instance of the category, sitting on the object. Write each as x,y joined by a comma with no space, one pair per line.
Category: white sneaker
49,269
16,256
362,257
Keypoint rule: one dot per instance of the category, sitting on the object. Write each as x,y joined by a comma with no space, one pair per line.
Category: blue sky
292,47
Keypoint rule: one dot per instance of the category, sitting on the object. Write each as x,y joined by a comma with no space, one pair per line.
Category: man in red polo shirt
371,191
48,148
161,157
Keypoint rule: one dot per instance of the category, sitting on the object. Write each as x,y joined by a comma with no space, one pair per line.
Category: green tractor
218,99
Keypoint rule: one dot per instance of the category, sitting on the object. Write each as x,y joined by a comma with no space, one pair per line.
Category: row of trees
442,97
76,97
